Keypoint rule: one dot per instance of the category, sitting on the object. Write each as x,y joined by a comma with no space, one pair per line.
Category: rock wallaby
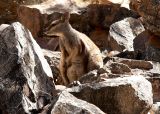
79,54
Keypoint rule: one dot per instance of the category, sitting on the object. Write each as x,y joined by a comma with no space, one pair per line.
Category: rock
137,55
90,77
120,68
26,76
149,10
153,76
153,50
141,41
122,34
140,64
155,108
100,36
67,104
3,26
8,9
148,69
127,95
149,44
155,80
53,58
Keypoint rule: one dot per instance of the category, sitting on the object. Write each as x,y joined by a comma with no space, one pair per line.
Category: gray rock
68,104
148,69
127,95
22,63
3,26
122,34
53,58
90,77
152,53
134,64
119,68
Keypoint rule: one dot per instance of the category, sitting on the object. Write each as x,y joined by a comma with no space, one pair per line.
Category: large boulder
26,76
148,69
68,104
125,95
8,9
122,34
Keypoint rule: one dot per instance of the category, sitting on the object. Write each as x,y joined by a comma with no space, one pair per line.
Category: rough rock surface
25,75
3,26
122,34
155,108
140,42
149,70
53,58
127,95
149,44
8,9
119,68
68,104
150,12
153,53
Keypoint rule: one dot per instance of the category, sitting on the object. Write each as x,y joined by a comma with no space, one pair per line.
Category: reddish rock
68,104
8,9
150,12
140,41
100,37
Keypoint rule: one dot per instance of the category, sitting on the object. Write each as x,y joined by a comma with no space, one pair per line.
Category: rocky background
126,31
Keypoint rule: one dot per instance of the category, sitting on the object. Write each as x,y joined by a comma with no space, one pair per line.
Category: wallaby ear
65,17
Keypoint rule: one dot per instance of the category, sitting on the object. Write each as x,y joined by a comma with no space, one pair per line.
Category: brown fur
79,53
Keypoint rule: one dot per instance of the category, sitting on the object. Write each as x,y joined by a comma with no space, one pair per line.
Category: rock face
119,68
127,95
153,48
122,34
149,45
25,74
68,104
8,9
149,10
149,70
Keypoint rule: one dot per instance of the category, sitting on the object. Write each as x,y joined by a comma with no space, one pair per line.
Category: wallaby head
57,27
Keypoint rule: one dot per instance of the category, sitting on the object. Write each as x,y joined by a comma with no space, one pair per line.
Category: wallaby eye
54,24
